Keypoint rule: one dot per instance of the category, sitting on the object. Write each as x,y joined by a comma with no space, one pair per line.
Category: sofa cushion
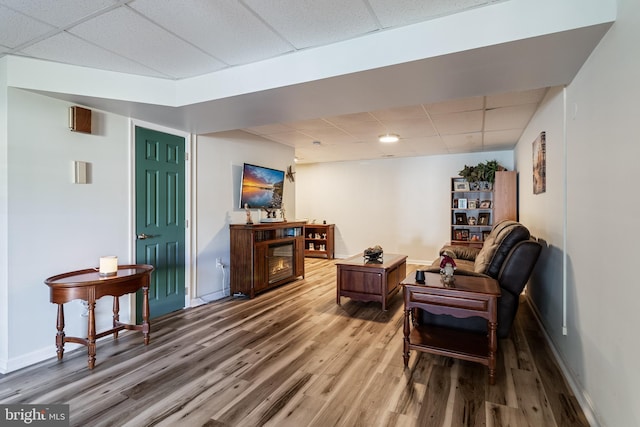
497,246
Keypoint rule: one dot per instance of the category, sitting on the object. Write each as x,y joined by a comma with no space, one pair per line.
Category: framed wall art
540,164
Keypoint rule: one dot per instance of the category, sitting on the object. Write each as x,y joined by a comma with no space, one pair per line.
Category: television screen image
261,187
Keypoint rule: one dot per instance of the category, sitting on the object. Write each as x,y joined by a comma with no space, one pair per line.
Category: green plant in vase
482,172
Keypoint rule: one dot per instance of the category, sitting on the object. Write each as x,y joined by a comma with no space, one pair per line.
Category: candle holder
108,266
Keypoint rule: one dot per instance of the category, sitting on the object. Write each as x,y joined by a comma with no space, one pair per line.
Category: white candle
108,265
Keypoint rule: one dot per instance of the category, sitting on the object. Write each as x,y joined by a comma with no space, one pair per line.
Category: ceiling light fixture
389,137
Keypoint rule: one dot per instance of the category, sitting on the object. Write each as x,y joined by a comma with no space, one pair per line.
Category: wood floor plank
293,357
532,399
505,416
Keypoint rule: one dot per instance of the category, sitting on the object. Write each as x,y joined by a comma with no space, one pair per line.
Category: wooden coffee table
370,281
468,296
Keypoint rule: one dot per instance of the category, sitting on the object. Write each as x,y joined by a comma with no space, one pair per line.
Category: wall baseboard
582,396
49,352
213,296
24,360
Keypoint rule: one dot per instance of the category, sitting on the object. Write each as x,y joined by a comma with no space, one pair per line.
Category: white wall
219,161
4,219
400,204
54,225
601,346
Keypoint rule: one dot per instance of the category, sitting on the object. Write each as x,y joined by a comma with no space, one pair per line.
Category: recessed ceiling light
389,137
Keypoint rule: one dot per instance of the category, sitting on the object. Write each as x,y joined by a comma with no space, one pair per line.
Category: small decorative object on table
373,254
248,212
447,267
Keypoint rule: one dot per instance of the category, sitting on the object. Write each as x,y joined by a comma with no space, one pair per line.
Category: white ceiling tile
502,137
306,23
460,123
456,105
127,33
331,136
351,119
400,113
309,125
294,139
391,13
68,49
425,145
59,13
516,98
269,129
208,24
516,117
411,128
18,29
364,130
463,141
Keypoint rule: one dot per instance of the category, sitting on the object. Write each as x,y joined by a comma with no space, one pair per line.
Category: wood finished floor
292,357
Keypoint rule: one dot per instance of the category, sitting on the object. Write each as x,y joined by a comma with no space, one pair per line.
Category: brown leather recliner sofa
507,255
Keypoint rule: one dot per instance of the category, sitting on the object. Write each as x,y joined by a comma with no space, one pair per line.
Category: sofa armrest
460,252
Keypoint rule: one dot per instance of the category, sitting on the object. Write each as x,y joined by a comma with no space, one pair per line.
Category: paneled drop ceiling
484,123
329,119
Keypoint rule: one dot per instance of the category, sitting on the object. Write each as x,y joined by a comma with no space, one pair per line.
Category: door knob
143,236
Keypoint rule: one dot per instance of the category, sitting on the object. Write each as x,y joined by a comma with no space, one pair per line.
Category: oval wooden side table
89,286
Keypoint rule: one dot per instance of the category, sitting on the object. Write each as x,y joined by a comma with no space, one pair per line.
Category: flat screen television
261,187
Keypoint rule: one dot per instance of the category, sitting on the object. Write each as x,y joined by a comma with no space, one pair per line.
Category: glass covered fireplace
280,262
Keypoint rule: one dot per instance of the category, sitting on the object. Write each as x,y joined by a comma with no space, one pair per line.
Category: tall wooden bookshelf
476,208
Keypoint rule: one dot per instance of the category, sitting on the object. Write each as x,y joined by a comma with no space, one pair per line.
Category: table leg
91,335
116,315
493,346
406,331
146,327
60,334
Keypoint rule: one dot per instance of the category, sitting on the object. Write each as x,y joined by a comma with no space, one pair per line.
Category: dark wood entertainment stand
256,247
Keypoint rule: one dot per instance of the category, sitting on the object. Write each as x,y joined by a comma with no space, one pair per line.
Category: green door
160,218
